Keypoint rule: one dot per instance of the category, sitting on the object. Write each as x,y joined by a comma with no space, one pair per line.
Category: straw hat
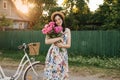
59,13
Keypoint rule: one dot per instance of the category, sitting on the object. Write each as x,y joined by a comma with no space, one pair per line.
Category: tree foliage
78,14
109,14
35,12
106,17
5,22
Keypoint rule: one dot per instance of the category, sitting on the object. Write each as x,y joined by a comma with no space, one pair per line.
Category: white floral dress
56,64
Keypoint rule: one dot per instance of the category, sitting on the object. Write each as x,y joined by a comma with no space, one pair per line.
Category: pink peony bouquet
51,30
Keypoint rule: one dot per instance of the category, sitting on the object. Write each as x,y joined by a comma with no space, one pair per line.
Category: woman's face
58,20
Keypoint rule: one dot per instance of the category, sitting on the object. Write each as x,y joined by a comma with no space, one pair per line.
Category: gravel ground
10,66
10,71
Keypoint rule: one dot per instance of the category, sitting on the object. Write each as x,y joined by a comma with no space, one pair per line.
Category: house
19,20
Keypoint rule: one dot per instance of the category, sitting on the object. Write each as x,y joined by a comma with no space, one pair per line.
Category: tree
5,22
35,13
78,13
110,11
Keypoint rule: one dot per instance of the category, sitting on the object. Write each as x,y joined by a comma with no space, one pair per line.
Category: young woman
56,64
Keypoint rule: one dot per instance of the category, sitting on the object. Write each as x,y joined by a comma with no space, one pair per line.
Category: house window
21,25
5,4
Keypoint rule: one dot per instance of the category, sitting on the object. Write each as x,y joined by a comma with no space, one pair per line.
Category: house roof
20,16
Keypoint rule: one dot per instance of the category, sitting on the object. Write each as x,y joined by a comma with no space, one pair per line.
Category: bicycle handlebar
23,46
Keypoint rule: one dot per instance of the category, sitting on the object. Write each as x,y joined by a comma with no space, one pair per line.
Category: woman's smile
58,21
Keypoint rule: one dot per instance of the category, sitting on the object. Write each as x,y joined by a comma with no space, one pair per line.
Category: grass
109,63
106,67
78,64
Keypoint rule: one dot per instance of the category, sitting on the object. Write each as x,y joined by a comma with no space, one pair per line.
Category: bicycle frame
25,59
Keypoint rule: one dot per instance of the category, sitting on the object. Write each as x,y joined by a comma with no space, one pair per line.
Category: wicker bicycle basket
34,48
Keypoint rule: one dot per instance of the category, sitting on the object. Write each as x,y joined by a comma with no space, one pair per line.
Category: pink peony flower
58,29
46,26
49,29
44,31
51,23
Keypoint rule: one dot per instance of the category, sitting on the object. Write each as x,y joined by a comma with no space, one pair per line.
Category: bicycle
32,70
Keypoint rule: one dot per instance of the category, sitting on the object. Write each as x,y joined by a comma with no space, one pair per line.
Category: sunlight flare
94,4
23,7
60,2
20,6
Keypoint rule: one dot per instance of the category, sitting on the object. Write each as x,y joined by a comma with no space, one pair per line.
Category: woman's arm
52,40
68,44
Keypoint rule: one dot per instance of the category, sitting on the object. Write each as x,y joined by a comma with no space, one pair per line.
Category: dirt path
9,71
9,67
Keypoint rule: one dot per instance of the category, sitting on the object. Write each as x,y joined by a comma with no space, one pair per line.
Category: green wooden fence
91,43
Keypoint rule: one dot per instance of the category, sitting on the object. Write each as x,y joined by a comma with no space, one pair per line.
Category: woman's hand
61,39
59,44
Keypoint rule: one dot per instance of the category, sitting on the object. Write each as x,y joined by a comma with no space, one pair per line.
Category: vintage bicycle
28,69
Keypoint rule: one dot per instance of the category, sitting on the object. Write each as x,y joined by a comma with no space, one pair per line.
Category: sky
94,4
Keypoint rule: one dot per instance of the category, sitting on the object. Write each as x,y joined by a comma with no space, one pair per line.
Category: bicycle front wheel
30,73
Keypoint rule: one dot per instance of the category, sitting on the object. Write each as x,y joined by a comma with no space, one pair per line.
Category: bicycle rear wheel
39,69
